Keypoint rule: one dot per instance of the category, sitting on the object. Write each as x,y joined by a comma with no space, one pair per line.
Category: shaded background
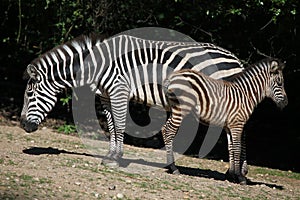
251,29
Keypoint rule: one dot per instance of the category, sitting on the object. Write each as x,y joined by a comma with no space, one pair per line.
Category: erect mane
248,67
83,41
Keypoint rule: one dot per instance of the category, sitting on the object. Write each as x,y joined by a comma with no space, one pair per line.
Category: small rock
36,179
14,122
120,196
44,128
77,183
128,181
112,187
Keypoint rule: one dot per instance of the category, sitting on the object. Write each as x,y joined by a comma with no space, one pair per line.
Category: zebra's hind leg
169,131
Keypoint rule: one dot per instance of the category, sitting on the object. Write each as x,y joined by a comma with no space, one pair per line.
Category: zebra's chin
28,126
283,103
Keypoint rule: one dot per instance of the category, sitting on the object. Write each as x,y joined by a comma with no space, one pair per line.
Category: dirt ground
49,165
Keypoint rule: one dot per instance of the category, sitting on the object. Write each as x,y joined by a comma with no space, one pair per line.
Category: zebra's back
145,64
208,98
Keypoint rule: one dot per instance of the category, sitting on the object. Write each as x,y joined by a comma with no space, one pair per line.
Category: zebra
223,103
120,68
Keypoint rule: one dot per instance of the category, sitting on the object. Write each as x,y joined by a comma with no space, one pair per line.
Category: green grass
25,177
275,172
67,129
9,136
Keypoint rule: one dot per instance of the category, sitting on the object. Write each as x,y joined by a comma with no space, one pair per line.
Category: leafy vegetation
67,129
33,26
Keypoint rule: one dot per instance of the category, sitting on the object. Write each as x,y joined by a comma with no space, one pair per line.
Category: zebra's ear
33,72
275,66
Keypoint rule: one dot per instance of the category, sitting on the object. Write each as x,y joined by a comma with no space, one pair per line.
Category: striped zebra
223,103
122,68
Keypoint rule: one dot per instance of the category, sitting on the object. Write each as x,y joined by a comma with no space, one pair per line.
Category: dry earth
48,165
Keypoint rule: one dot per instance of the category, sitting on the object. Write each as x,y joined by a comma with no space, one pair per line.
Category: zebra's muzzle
27,125
283,103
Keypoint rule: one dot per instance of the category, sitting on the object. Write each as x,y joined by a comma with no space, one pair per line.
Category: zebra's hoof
176,172
172,169
110,163
242,180
230,176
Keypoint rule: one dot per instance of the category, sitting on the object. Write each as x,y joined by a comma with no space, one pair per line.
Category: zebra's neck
65,65
252,82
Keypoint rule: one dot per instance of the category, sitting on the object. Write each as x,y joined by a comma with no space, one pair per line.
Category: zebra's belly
211,116
150,98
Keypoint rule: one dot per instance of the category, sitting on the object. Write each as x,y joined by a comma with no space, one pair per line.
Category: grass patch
9,136
67,129
10,162
274,172
25,177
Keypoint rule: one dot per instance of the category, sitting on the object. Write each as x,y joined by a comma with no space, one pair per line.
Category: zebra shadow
125,162
206,173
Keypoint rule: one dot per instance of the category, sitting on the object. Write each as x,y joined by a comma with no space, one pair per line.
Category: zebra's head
276,85
39,99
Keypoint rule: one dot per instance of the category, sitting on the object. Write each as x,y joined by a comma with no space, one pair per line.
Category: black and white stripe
223,103
123,68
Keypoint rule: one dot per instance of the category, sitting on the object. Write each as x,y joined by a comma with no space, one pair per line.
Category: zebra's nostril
28,126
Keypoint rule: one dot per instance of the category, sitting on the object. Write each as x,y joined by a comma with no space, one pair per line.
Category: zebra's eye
279,82
33,81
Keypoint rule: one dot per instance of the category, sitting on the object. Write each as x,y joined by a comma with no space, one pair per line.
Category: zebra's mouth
28,126
283,103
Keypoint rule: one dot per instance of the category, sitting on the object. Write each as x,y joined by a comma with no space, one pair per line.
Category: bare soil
49,165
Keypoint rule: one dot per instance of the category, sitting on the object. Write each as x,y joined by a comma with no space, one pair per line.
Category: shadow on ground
125,162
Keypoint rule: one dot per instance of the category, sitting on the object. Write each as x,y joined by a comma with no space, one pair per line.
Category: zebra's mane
84,42
249,67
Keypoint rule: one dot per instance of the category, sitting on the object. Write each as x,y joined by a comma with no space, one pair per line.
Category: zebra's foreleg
110,159
236,134
119,107
230,172
244,166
